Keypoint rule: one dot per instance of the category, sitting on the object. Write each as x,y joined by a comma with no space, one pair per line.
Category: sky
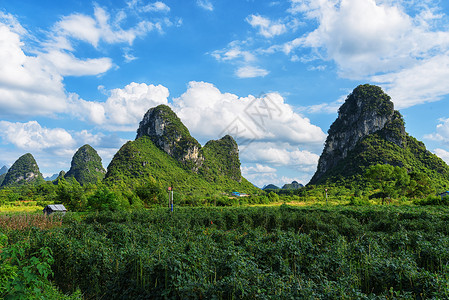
270,73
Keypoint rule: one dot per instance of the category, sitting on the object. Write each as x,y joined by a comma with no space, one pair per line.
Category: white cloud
156,7
280,154
66,64
234,52
124,108
251,72
99,28
31,136
328,108
443,154
205,4
442,132
262,175
27,84
265,118
258,168
382,42
266,27
259,174
427,81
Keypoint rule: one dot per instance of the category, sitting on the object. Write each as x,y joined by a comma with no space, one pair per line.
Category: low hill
292,186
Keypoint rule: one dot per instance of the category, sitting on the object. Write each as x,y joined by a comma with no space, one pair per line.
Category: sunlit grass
19,209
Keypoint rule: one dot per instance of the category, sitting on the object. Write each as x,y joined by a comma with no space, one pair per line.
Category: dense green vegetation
86,166
140,162
283,252
376,150
23,171
221,161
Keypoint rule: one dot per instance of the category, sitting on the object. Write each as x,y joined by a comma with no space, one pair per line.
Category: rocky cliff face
168,133
86,166
24,170
367,110
165,152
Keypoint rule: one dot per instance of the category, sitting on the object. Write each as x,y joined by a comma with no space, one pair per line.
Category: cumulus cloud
379,41
53,148
259,174
265,118
205,4
251,72
443,154
442,132
99,28
280,154
124,108
31,136
33,85
266,27
27,84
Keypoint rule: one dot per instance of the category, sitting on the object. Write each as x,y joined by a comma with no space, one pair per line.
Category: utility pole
170,198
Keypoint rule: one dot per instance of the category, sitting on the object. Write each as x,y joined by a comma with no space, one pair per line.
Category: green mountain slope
24,171
86,166
369,131
141,161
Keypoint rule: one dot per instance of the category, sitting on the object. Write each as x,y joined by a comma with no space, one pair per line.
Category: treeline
101,196
380,184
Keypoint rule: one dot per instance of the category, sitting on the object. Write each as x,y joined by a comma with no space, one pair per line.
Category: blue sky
271,73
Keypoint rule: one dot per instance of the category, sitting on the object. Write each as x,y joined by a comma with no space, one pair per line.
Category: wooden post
170,198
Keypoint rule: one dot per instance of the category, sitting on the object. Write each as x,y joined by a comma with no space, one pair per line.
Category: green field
284,252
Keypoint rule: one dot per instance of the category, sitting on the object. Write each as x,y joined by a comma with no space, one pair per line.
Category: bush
433,200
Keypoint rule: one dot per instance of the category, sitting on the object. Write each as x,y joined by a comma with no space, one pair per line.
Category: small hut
54,208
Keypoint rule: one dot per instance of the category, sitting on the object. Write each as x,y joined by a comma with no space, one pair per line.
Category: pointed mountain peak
86,166
369,131
24,170
169,134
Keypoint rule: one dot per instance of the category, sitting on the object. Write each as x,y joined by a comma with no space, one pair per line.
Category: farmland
312,252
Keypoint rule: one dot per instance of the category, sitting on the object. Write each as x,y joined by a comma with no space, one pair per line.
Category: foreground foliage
284,252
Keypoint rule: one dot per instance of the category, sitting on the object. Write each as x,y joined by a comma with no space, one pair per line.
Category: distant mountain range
288,186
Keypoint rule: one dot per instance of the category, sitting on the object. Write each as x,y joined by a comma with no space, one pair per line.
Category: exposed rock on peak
165,151
86,166
369,131
366,110
24,170
168,133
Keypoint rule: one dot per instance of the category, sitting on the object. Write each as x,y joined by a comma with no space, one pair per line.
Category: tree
390,180
420,185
